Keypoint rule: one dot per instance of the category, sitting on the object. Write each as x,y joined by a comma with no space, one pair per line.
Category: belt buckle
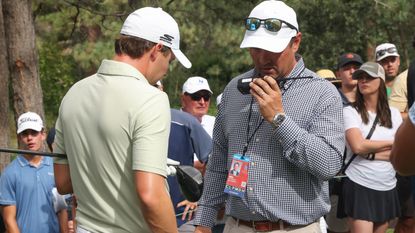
262,227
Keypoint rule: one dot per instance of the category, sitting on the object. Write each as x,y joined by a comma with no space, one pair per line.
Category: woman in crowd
370,197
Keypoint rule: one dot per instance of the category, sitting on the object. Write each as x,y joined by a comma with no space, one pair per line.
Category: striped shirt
289,166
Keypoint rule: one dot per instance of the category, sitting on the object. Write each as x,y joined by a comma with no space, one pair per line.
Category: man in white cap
26,195
114,127
195,98
388,57
396,85
288,136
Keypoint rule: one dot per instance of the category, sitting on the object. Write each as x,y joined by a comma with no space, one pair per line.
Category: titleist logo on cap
23,120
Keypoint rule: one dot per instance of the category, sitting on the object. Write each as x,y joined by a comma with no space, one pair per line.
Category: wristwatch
278,119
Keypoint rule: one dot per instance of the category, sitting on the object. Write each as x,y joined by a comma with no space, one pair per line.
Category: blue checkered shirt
289,166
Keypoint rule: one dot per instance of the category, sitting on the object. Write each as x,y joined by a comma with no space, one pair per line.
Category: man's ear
155,51
296,42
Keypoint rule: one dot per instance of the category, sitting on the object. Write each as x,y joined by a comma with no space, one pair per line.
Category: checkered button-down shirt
289,166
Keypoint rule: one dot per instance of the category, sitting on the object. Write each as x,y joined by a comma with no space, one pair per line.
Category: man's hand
190,208
268,96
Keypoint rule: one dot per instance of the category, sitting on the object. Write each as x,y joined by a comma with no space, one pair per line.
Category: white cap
29,120
386,50
195,84
274,42
155,25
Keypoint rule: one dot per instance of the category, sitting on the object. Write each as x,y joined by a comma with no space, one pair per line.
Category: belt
263,226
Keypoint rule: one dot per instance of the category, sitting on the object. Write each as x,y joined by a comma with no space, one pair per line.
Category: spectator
26,186
195,100
114,127
187,138
347,64
370,197
388,57
286,187
402,156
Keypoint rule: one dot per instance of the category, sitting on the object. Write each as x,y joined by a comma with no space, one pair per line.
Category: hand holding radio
268,96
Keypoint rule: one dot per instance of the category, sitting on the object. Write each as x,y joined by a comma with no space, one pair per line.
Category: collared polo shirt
29,188
110,125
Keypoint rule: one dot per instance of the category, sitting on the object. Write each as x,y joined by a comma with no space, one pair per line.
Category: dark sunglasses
384,51
272,25
198,96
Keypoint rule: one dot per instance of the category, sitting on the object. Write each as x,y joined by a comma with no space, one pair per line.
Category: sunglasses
198,96
384,51
272,25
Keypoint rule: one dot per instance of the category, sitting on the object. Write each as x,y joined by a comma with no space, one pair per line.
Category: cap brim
357,73
182,58
29,126
387,55
274,42
351,61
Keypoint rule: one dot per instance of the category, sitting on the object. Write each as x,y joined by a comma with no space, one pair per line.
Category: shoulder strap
369,135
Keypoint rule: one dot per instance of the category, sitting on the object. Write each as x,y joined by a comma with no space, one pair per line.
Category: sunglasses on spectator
197,96
384,51
272,25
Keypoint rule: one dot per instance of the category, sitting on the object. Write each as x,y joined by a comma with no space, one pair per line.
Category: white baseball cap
155,25
195,84
386,50
261,38
29,120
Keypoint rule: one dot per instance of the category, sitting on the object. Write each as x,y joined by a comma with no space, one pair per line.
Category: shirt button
253,212
250,189
257,140
280,140
253,163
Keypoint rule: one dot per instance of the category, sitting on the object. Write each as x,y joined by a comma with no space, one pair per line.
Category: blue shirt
187,137
29,188
289,166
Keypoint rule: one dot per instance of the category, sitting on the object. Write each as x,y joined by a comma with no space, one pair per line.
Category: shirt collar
295,72
23,161
116,68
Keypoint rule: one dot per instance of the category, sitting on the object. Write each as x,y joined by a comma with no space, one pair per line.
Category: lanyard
249,138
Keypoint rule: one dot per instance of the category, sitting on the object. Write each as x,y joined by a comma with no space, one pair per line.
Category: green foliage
80,34
57,74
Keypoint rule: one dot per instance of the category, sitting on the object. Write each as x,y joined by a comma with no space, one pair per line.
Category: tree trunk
4,96
23,57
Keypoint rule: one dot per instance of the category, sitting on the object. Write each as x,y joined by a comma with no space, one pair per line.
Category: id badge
238,176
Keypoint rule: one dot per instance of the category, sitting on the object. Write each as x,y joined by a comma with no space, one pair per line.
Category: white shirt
376,174
208,122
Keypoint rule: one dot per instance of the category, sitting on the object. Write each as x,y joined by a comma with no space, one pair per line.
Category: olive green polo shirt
111,124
